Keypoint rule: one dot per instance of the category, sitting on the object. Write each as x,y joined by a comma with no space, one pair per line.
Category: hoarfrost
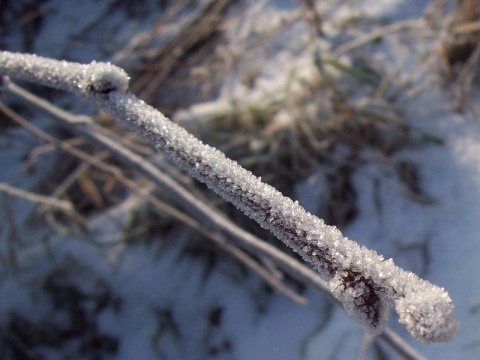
427,313
363,281
105,77
63,75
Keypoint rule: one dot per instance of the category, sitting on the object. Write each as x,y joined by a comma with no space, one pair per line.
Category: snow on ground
449,226
160,304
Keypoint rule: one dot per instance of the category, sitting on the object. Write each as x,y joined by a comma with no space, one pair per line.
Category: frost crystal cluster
364,282
64,75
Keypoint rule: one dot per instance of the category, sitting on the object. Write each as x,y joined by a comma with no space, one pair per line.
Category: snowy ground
152,301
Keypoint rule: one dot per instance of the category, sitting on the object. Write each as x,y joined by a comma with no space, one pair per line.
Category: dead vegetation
283,139
459,52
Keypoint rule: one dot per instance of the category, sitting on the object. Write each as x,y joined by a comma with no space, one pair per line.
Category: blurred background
365,112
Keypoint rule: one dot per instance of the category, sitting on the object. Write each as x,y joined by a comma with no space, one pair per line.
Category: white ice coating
365,283
105,77
72,77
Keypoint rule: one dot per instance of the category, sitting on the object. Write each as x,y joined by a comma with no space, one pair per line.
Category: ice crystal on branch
427,313
363,281
105,77
63,75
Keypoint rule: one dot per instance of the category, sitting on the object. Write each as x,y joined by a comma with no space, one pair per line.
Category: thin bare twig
374,35
37,198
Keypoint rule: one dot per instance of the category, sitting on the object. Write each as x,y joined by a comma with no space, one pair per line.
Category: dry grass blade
459,51
467,28
47,148
47,201
463,83
313,18
202,26
375,35
137,43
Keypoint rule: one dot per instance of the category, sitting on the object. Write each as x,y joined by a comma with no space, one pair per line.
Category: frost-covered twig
365,283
